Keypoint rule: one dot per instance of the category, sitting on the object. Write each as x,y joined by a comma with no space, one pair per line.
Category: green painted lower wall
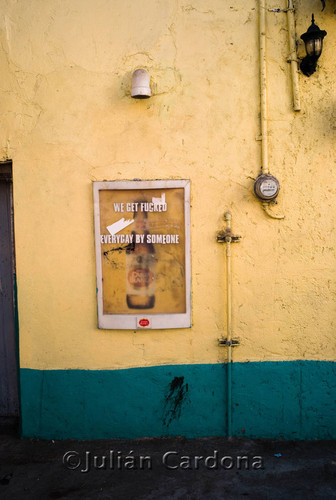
291,399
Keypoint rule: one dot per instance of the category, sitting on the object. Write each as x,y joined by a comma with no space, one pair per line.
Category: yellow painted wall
68,119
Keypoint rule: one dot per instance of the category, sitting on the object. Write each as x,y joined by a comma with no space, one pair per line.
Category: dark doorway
9,397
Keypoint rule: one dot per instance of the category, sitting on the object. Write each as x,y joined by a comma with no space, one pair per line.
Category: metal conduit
293,55
263,86
227,237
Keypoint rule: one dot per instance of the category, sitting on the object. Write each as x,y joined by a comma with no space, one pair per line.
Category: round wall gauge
266,187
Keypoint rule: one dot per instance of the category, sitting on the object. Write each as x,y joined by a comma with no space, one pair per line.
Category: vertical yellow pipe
293,56
263,86
227,217
263,98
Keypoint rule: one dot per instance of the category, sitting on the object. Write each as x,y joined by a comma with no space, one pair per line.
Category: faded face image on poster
142,242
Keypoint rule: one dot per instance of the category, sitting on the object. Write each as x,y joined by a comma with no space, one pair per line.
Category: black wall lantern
313,39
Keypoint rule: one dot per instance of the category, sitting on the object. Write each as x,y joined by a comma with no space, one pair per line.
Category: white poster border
143,320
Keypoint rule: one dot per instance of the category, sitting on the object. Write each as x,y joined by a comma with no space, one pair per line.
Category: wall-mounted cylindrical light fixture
140,84
313,39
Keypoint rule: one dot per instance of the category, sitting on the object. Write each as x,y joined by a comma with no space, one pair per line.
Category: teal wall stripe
290,399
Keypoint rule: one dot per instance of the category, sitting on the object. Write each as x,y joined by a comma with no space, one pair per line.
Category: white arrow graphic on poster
119,225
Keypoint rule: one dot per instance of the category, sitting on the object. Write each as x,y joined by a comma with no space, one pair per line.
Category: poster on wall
142,239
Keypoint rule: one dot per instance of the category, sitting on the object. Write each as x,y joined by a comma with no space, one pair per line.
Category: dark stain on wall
175,397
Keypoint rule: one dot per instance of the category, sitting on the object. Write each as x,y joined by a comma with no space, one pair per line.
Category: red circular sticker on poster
144,322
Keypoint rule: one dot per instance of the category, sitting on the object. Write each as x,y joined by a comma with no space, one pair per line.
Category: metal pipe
263,98
227,217
228,239
293,56
265,206
263,86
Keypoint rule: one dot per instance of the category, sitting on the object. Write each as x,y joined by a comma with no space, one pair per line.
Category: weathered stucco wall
68,119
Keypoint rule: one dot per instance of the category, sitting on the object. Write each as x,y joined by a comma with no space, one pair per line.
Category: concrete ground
153,469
